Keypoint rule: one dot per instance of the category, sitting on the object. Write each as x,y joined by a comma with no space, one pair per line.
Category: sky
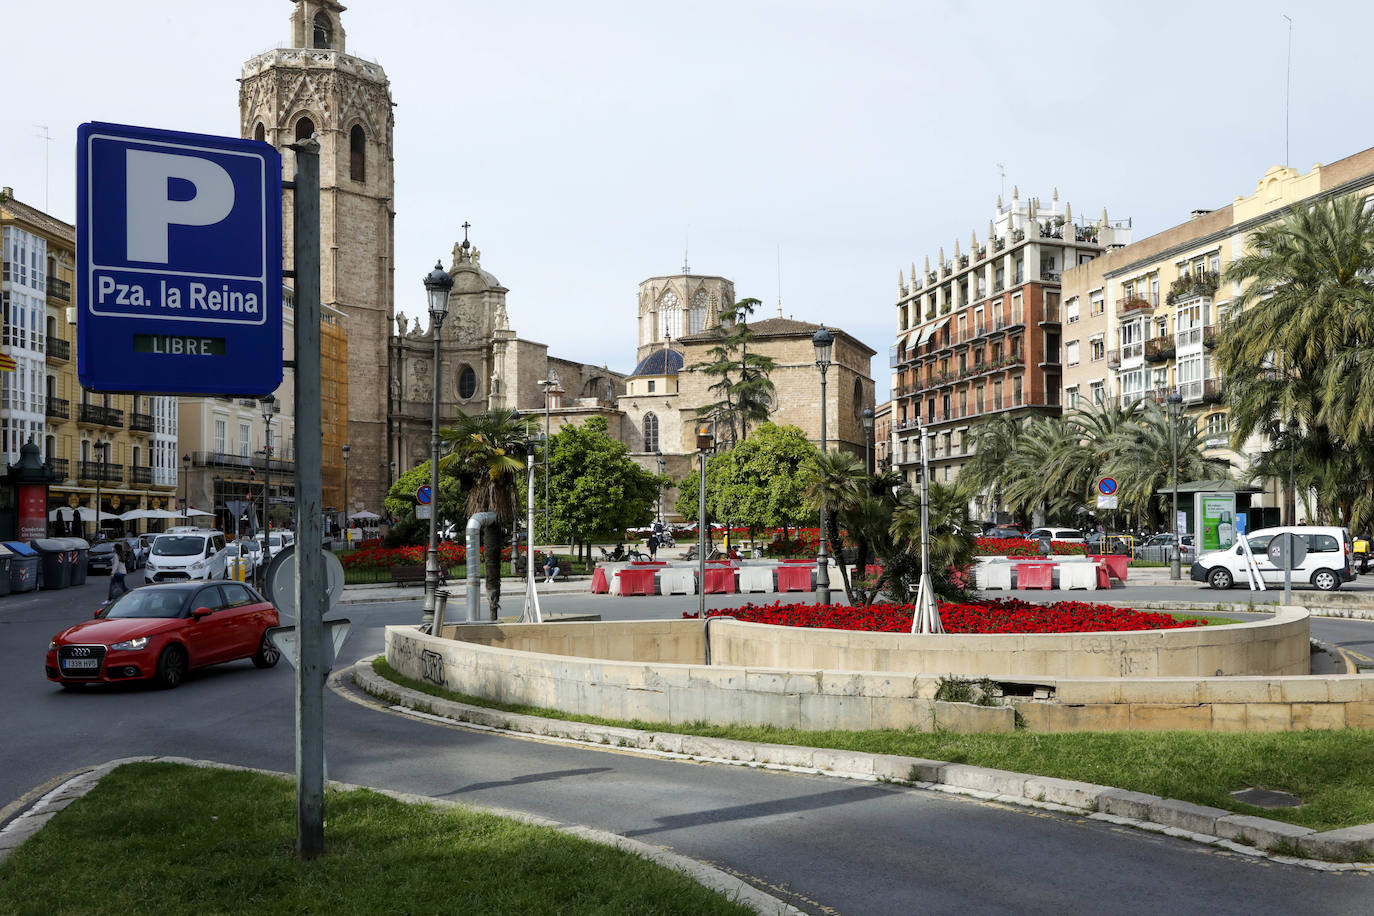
807,151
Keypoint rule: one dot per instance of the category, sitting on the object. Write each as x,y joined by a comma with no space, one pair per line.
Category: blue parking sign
178,262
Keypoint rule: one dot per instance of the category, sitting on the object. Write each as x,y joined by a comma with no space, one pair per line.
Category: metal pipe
474,549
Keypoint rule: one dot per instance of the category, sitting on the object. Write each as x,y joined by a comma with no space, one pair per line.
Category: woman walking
118,570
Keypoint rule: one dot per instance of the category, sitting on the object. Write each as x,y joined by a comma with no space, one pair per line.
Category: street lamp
438,285
547,384
531,613
868,434
185,488
823,341
706,440
659,456
269,410
1293,430
1175,567
347,533
102,448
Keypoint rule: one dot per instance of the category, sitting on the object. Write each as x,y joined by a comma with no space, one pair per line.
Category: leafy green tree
489,446
757,483
743,390
1296,349
451,503
596,489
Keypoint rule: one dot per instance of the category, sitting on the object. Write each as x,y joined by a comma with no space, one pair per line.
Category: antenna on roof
779,281
1287,87
1001,167
686,238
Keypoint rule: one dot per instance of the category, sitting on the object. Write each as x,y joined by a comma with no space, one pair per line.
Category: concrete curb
741,892
1245,834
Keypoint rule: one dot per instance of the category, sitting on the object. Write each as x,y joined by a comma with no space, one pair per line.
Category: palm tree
993,442
487,443
952,541
1145,470
833,481
1298,343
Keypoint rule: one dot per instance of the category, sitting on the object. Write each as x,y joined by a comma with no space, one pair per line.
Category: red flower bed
1020,547
1008,615
450,554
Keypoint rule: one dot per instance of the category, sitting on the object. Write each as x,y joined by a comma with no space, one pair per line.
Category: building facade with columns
313,88
979,334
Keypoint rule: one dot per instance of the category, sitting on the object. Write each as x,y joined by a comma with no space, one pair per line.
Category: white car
187,553
1067,535
1329,561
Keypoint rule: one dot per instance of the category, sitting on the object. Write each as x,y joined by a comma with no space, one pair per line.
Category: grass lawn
1328,770
1211,620
165,838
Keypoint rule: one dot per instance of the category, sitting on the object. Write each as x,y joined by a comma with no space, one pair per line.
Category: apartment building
121,445
979,334
1141,322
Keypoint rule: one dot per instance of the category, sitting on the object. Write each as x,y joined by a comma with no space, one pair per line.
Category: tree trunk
832,537
494,539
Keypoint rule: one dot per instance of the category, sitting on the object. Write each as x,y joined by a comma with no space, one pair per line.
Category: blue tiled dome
659,362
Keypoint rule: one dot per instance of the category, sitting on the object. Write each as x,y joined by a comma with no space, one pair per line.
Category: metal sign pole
311,587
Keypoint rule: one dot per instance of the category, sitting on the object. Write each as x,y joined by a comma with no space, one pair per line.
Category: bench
408,575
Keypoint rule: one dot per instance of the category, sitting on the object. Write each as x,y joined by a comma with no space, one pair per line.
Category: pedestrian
551,569
117,572
653,546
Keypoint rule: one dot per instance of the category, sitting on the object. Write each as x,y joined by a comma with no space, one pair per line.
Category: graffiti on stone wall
432,668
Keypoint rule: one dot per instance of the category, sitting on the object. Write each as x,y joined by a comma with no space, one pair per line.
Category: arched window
696,318
650,433
669,315
323,32
357,154
467,383
305,129
260,133
858,398
50,447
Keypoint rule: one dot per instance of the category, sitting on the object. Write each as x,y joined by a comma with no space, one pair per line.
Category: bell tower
313,88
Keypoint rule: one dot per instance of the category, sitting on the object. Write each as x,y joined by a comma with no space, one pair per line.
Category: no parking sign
1106,493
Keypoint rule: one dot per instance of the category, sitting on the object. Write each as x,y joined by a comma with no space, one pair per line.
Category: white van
187,553
1329,561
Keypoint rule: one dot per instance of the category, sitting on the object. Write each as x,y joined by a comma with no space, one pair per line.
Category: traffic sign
424,495
1106,486
178,262
1287,550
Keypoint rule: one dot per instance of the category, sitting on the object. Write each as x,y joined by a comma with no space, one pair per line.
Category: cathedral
314,88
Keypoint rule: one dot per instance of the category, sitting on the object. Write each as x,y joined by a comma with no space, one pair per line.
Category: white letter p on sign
150,209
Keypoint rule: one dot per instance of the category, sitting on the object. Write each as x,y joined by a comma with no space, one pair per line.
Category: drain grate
1267,798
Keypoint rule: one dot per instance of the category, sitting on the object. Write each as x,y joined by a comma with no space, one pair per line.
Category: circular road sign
424,494
1106,486
281,579
1287,550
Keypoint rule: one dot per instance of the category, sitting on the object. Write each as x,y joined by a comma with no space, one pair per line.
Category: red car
162,632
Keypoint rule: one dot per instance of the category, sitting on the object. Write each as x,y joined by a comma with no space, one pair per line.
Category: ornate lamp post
185,488
346,528
1175,403
438,284
269,412
102,449
867,417
659,457
823,341
706,441
548,384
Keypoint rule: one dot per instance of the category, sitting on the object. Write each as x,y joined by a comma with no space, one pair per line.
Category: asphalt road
829,845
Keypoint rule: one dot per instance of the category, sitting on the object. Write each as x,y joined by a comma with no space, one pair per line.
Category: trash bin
5,570
82,547
23,566
56,558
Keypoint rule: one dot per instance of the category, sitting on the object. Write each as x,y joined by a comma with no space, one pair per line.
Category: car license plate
81,663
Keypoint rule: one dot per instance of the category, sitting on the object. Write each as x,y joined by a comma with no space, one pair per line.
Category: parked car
1159,548
100,558
136,550
161,632
251,551
1069,535
1004,532
1330,559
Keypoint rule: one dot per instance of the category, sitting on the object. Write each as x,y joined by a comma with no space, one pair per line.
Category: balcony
1132,351
57,408
1193,286
61,467
100,416
141,475
141,422
1209,336
1051,276
1136,302
101,470
59,289
240,462
59,348
1159,349
1211,391
1114,360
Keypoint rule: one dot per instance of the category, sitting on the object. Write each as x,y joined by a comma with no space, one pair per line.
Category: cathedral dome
659,362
